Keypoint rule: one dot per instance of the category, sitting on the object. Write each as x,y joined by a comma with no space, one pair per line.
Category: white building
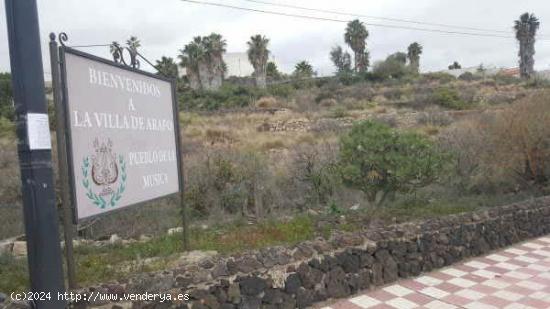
238,64
489,70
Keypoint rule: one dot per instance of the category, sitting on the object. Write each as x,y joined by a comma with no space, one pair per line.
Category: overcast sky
164,26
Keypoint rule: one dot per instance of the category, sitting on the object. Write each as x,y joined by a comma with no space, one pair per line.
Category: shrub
338,112
7,127
449,98
538,82
6,96
523,138
217,136
379,160
503,151
325,95
281,90
434,119
468,76
267,102
228,96
442,78
273,144
316,169
348,78
502,79
390,68
223,183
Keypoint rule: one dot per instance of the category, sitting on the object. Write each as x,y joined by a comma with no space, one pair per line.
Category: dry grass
237,131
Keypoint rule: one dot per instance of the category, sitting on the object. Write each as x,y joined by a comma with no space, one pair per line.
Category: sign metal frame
65,103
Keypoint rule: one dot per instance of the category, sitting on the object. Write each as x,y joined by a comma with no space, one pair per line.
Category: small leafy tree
455,66
393,67
341,59
380,161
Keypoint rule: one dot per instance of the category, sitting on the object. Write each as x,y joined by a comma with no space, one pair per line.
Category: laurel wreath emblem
98,200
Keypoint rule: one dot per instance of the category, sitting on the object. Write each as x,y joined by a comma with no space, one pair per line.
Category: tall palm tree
258,54
167,67
413,53
356,36
190,58
303,70
214,47
115,51
526,28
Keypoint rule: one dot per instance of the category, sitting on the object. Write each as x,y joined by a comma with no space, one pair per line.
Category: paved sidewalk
514,278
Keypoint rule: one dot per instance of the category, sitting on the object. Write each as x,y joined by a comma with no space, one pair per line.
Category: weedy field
301,160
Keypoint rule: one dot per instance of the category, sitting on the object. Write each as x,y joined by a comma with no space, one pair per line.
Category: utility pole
34,150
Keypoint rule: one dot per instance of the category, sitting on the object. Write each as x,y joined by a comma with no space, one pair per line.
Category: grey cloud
165,26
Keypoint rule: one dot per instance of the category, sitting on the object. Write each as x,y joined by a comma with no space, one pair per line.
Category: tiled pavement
514,278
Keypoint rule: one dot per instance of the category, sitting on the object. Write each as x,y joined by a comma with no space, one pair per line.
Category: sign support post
34,151
184,221
62,163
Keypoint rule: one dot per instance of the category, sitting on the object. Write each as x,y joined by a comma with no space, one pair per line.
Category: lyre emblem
104,166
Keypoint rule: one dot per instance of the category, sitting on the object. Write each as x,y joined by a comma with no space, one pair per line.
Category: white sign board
123,140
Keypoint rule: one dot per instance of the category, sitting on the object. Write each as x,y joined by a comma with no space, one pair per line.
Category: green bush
281,90
228,96
316,174
449,98
379,160
338,112
502,79
441,77
469,76
7,127
349,78
6,96
391,68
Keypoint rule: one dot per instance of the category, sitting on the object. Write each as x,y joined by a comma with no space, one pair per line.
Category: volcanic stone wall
313,271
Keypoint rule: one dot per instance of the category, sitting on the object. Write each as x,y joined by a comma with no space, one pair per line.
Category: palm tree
115,51
133,44
341,59
413,54
303,70
526,28
258,54
272,71
356,36
214,47
190,58
167,67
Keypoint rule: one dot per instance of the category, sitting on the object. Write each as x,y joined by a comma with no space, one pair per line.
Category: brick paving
517,277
